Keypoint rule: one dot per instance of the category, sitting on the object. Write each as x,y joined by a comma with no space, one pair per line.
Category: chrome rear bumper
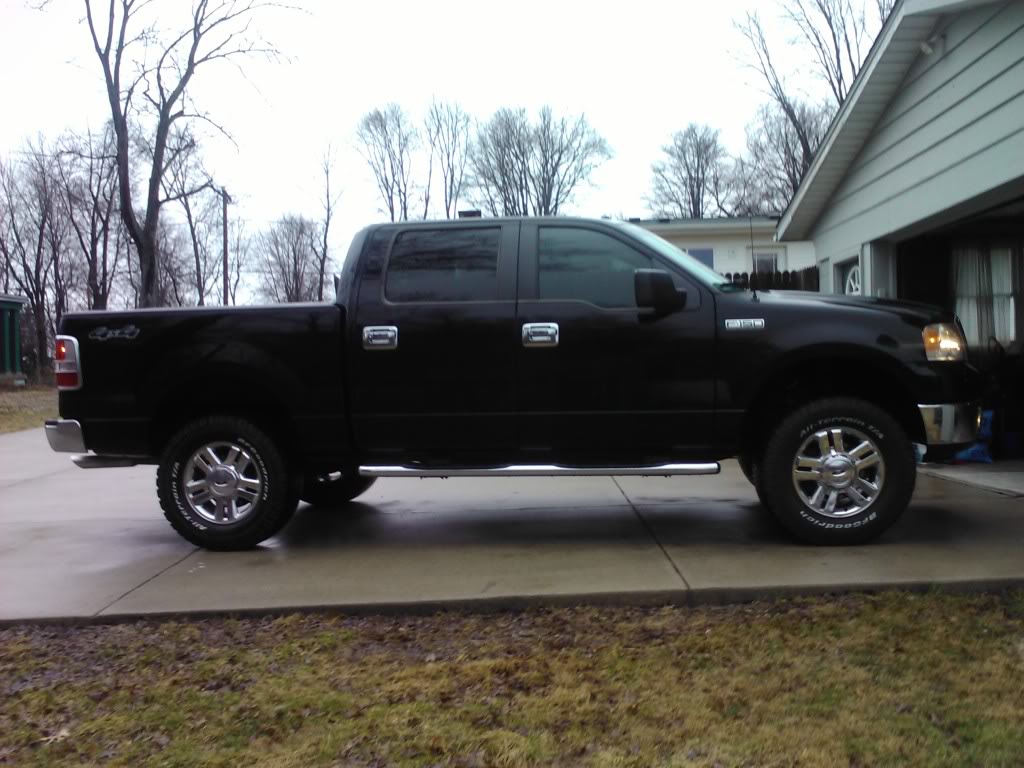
951,423
65,436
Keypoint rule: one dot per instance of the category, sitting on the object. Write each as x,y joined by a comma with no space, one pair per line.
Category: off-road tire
751,468
322,492
277,498
774,473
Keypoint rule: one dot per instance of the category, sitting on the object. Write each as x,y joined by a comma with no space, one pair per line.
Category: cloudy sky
639,70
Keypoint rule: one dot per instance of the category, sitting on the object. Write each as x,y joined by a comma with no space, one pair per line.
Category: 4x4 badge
103,333
745,324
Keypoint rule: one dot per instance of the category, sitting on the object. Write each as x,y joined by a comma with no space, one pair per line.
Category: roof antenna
753,262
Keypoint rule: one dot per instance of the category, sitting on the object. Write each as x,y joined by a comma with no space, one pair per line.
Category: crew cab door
433,343
620,385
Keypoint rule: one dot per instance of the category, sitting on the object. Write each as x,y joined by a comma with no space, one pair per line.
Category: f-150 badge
103,333
745,324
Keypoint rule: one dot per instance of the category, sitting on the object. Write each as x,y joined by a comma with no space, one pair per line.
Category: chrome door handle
540,334
380,337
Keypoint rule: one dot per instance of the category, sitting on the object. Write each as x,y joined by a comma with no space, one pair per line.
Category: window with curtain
983,281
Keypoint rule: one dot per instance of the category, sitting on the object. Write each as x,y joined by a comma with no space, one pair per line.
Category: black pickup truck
518,347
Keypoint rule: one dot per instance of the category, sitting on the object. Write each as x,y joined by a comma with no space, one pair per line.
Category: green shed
10,336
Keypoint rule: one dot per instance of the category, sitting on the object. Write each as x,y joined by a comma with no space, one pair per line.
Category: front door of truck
433,341
601,381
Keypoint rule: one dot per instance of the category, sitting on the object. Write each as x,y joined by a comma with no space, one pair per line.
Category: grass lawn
891,679
26,407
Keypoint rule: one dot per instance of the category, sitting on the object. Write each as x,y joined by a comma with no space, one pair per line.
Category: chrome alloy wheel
222,483
838,472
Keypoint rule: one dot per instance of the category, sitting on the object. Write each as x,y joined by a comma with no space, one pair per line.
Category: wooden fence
797,280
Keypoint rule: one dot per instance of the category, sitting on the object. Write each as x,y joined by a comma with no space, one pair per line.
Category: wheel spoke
211,457
867,487
858,498
201,498
816,498
202,464
862,450
823,444
830,505
232,456
868,461
837,441
248,494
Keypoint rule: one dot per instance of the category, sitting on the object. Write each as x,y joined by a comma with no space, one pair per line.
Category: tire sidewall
897,487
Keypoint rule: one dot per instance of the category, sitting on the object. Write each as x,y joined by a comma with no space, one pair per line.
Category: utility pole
225,199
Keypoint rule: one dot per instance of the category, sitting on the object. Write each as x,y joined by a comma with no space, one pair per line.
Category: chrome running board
540,470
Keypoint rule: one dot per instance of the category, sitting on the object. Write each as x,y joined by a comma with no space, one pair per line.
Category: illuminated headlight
943,342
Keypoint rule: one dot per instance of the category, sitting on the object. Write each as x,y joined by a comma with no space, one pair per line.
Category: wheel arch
812,375
227,390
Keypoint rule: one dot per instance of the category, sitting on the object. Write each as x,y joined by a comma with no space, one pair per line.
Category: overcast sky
639,70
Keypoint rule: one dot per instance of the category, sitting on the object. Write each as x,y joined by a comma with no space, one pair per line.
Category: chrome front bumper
951,423
65,436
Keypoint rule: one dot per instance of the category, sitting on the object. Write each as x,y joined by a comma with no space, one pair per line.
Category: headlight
943,342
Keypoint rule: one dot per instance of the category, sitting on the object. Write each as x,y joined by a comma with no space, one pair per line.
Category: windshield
704,273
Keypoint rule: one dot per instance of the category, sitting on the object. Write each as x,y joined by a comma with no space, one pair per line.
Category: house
917,190
734,245
10,338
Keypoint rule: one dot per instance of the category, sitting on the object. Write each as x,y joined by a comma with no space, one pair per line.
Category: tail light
67,364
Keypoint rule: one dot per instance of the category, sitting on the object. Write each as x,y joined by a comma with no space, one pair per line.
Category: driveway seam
653,535
161,572
24,480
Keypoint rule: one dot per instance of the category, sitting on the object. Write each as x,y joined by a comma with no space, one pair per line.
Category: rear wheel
335,489
224,485
837,471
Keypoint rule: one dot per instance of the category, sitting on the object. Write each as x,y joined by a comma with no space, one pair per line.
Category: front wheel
838,471
223,484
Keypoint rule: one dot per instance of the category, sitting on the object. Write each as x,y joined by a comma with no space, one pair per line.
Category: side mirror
655,290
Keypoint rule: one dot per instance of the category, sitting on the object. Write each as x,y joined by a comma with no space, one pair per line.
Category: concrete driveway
92,543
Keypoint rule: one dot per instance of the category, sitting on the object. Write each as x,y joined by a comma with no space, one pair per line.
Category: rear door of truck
434,343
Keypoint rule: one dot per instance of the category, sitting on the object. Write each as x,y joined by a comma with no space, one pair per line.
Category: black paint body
623,386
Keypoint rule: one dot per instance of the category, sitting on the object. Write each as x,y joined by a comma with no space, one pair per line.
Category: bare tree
386,139
566,152
500,163
239,256
835,32
188,183
775,151
286,260
157,79
87,172
447,131
884,8
797,112
521,169
320,238
689,181
28,207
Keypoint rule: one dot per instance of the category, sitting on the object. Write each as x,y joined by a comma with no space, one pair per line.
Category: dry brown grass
893,679
26,407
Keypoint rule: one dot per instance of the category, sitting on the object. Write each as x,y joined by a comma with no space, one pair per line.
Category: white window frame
778,251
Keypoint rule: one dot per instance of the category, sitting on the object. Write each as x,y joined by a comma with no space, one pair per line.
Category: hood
914,312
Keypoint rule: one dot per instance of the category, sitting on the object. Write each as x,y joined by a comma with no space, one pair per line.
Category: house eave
894,52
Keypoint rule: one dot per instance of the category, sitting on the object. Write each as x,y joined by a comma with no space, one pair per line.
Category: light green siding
954,131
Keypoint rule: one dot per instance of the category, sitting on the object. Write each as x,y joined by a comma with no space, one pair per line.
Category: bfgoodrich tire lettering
273,498
862,447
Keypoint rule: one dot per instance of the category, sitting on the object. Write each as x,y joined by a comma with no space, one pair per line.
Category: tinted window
589,266
444,265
